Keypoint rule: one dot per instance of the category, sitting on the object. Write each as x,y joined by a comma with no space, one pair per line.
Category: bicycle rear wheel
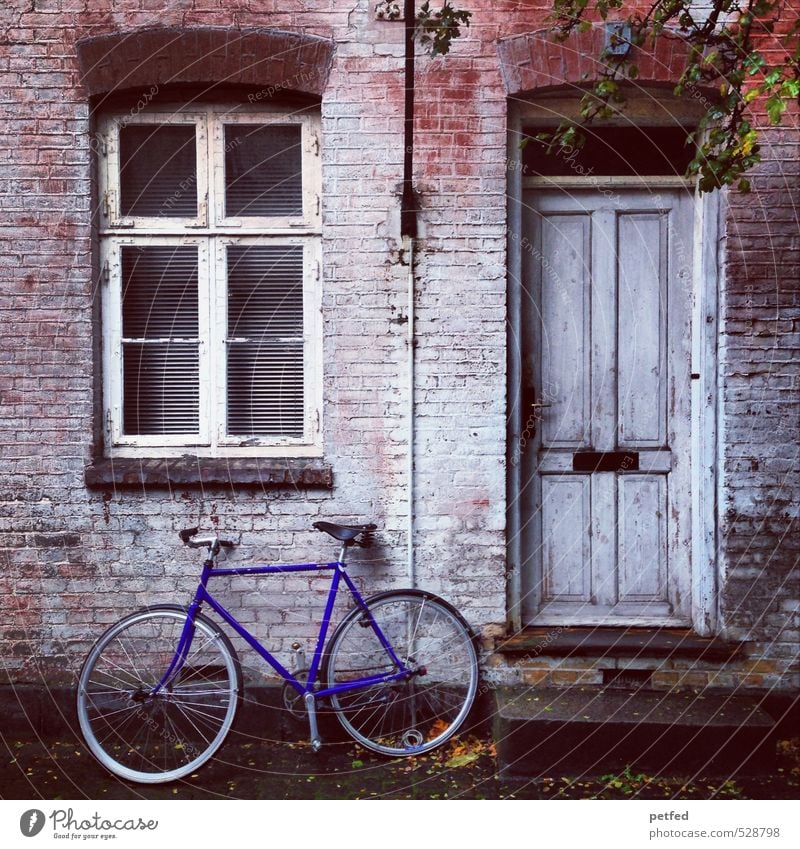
416,713
156,738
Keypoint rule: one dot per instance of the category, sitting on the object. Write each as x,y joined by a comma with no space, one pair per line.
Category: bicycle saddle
344,533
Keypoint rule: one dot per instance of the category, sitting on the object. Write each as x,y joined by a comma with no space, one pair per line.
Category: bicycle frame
306,690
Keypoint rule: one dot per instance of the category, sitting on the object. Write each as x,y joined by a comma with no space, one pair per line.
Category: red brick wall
73,558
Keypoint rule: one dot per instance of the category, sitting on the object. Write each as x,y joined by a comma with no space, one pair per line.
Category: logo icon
31,822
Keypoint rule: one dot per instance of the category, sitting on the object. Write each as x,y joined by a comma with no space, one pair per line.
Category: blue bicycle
158,692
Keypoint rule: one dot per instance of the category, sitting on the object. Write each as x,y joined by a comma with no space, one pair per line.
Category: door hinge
105,274
315,144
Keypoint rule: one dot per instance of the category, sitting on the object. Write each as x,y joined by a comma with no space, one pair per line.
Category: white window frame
212,232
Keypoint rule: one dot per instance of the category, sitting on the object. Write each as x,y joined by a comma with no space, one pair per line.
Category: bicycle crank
292,700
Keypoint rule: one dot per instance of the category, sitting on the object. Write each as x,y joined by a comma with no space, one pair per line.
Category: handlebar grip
187,534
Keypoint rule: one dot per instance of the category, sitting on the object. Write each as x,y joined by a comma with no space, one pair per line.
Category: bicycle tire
415,714
166,737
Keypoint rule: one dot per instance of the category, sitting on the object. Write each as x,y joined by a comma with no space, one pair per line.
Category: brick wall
760,369
73,558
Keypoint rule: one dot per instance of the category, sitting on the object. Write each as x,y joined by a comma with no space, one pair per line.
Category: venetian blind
158,171
263,170
160,345
265,340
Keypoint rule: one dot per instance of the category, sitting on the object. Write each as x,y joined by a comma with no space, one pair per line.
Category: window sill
264,473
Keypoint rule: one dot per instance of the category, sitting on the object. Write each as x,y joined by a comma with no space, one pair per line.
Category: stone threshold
657,643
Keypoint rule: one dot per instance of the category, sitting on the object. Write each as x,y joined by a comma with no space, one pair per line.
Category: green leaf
461,760
754,62
775,107
790,88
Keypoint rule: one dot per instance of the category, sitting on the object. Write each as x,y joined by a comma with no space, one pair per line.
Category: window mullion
204,213
312,173
219,333
205,282
112,341
312,342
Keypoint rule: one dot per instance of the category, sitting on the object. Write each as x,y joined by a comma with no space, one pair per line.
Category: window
620,151
210,253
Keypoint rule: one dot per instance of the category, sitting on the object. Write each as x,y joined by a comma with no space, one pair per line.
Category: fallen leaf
461,760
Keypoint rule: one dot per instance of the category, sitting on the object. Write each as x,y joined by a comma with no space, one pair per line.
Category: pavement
257,766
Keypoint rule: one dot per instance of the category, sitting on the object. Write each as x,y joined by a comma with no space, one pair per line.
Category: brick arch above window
537,60
274,59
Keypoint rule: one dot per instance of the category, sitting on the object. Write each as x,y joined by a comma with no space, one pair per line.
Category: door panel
643,320
642,533
566,505
565,300
606,368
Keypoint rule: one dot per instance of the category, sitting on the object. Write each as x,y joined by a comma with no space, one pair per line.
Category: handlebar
210,541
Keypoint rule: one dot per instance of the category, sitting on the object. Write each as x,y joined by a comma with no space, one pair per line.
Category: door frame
704,447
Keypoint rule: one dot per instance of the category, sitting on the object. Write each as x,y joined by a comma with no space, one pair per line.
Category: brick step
591,731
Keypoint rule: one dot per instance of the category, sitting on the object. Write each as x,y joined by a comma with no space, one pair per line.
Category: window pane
265,341
265,290
263,170
158,170
265,389
161,387
610,152
159,292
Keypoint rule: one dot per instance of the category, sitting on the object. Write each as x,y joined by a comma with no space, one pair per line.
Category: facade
619,452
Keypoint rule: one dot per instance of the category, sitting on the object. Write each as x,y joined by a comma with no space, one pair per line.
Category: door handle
530,410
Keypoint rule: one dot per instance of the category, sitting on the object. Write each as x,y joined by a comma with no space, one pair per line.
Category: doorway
606,369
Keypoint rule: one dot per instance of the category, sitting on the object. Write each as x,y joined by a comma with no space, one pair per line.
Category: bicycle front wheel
418,712
151,738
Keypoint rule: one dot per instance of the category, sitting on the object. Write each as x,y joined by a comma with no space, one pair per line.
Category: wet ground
254,768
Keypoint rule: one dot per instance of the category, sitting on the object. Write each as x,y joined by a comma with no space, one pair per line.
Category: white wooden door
606,407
